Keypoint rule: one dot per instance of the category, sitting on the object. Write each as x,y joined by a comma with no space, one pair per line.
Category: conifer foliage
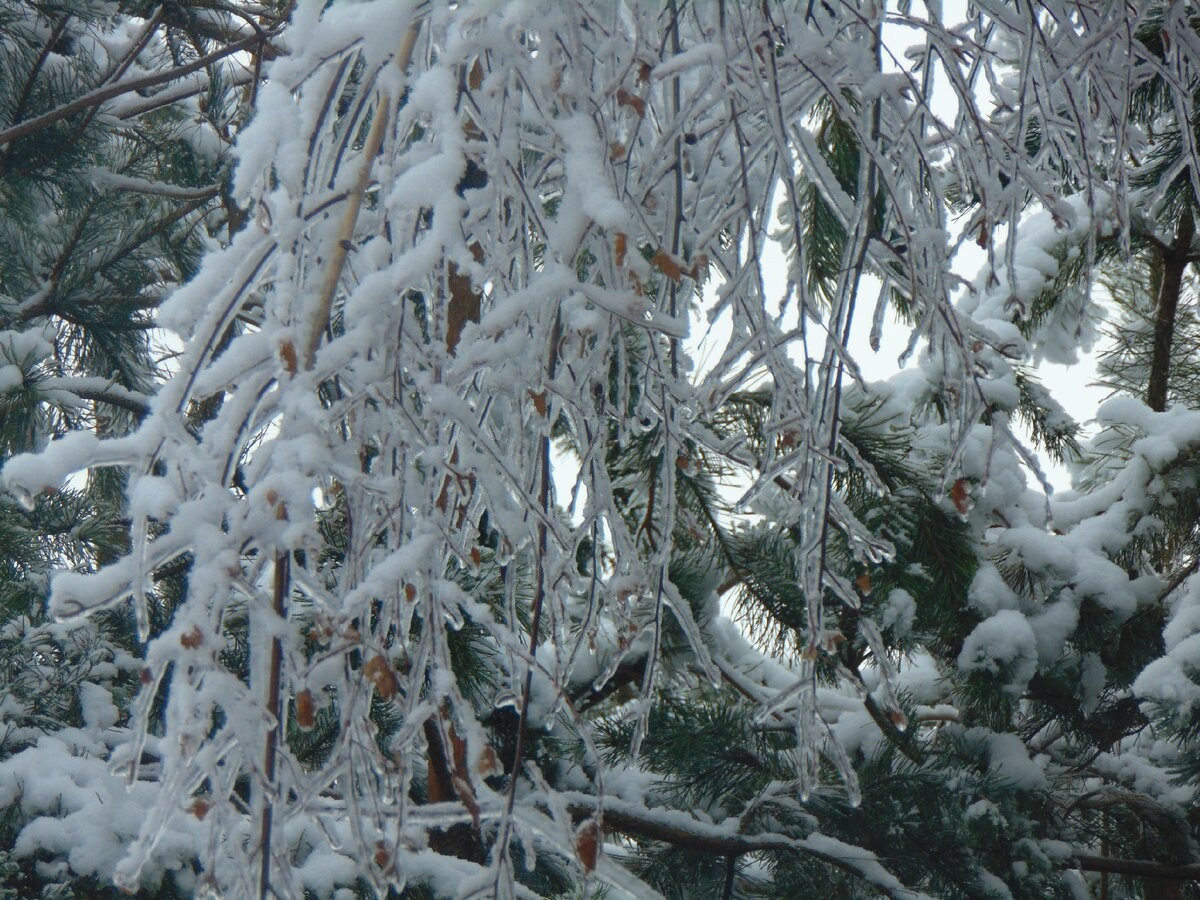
452,567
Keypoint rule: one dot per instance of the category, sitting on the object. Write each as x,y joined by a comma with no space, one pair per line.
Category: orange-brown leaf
665,263
863,582
620,248
488,763
306,707
287,353
410,592
539,402
634,102
192,638
379,672
587,844
960,493
199,808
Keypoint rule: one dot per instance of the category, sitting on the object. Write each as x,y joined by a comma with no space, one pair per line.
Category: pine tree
114,128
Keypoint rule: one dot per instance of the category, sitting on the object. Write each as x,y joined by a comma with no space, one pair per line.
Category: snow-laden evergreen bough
444,472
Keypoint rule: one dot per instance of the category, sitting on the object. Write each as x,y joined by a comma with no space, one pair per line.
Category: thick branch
691,834
1140,868
1174,263
109,91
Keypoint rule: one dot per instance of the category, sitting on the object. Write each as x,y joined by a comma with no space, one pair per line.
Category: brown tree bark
1174,264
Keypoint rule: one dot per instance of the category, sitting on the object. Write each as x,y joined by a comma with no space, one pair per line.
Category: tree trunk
1174,264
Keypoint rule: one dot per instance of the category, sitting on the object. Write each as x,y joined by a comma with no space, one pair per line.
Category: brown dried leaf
960,493
287,353
306,706
199,808
410,592
488,763
464,305
665,263
466,794
620,248
634,102
539,402
863,583
475,76
587,844
192,638
618,150
379,672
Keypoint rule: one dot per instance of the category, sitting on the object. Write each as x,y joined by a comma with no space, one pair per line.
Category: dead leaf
863,583
476,557
410,592
475,76
634,102
488,763
960,493
305,709
192,638
618,151
287,352
539,402
620,248
464,305
379,672
199,808
466,794
587,844
665,263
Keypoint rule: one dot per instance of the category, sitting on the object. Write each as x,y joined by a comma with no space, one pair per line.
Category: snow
1003,645
335,500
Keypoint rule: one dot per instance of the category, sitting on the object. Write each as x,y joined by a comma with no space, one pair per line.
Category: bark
1174,264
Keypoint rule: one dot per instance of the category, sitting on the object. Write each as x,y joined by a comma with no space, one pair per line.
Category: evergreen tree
114,128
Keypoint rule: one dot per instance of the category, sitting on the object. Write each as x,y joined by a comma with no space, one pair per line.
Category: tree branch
1139,868
1174,263
108,92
